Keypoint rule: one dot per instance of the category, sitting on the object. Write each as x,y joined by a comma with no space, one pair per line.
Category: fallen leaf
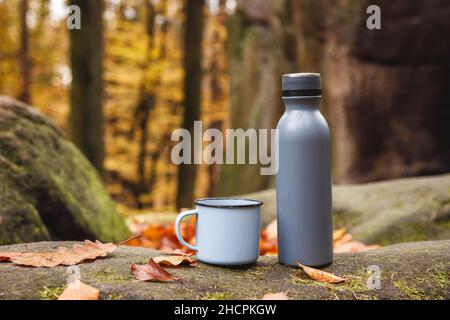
61,256
346,238
354,247
175,261
169,243
320,275
338,234
151,272
7,256
275,296
77,290
271,230
154,232
267,247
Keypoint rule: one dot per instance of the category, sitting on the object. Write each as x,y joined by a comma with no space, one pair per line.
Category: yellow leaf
338,234
320,275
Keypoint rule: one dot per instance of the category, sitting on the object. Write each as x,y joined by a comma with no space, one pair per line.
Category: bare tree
25,65
86,56
192,91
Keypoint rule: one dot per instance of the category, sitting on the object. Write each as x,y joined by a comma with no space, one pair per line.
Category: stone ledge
418,270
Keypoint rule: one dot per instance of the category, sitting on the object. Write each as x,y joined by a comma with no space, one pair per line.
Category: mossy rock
401,210
417,270
48,189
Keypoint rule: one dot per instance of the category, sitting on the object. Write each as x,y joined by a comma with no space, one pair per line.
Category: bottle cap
302,85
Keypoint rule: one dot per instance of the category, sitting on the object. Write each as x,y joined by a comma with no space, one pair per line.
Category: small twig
132,238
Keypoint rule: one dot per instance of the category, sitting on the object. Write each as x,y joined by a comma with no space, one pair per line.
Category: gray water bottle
304,176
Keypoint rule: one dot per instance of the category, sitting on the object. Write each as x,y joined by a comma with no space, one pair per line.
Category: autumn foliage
162,237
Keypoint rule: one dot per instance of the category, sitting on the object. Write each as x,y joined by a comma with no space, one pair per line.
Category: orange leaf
154,232
7,256
320,275
61,256
77,290
346,238
175,261
275,296
338,234
151,272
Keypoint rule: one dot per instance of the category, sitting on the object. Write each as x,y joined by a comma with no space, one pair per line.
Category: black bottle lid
302,85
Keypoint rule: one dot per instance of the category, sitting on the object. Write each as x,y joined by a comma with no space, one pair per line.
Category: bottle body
303,185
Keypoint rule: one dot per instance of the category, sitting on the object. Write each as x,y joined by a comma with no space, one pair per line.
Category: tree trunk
145,104
25,65
261,48
86,56
192,92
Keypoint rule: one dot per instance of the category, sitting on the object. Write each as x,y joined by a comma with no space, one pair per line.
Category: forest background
139,69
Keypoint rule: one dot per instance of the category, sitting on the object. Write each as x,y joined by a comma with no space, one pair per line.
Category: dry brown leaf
346,238
338,234
320,275
7,256
353,247
275,296
272,230
151,272
77,290
175,261
61,256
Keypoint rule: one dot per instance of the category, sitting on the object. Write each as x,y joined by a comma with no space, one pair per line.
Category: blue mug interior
228,203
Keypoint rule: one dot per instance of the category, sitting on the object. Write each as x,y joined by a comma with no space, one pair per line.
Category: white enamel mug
227,230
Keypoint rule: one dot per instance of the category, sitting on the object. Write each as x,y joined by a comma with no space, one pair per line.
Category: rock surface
410,209
417,270
48,190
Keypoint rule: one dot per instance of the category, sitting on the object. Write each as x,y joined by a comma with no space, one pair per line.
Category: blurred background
138,69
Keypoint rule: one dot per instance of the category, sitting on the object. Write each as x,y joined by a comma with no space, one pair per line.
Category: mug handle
180,217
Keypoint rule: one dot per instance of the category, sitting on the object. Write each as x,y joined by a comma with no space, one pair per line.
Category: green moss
394,234
110,275
112,296
43,175
443,224
441,279
50,293
217,296
345,219
257,272
355,283
409,291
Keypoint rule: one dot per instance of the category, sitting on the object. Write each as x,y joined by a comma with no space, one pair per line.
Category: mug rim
255,203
